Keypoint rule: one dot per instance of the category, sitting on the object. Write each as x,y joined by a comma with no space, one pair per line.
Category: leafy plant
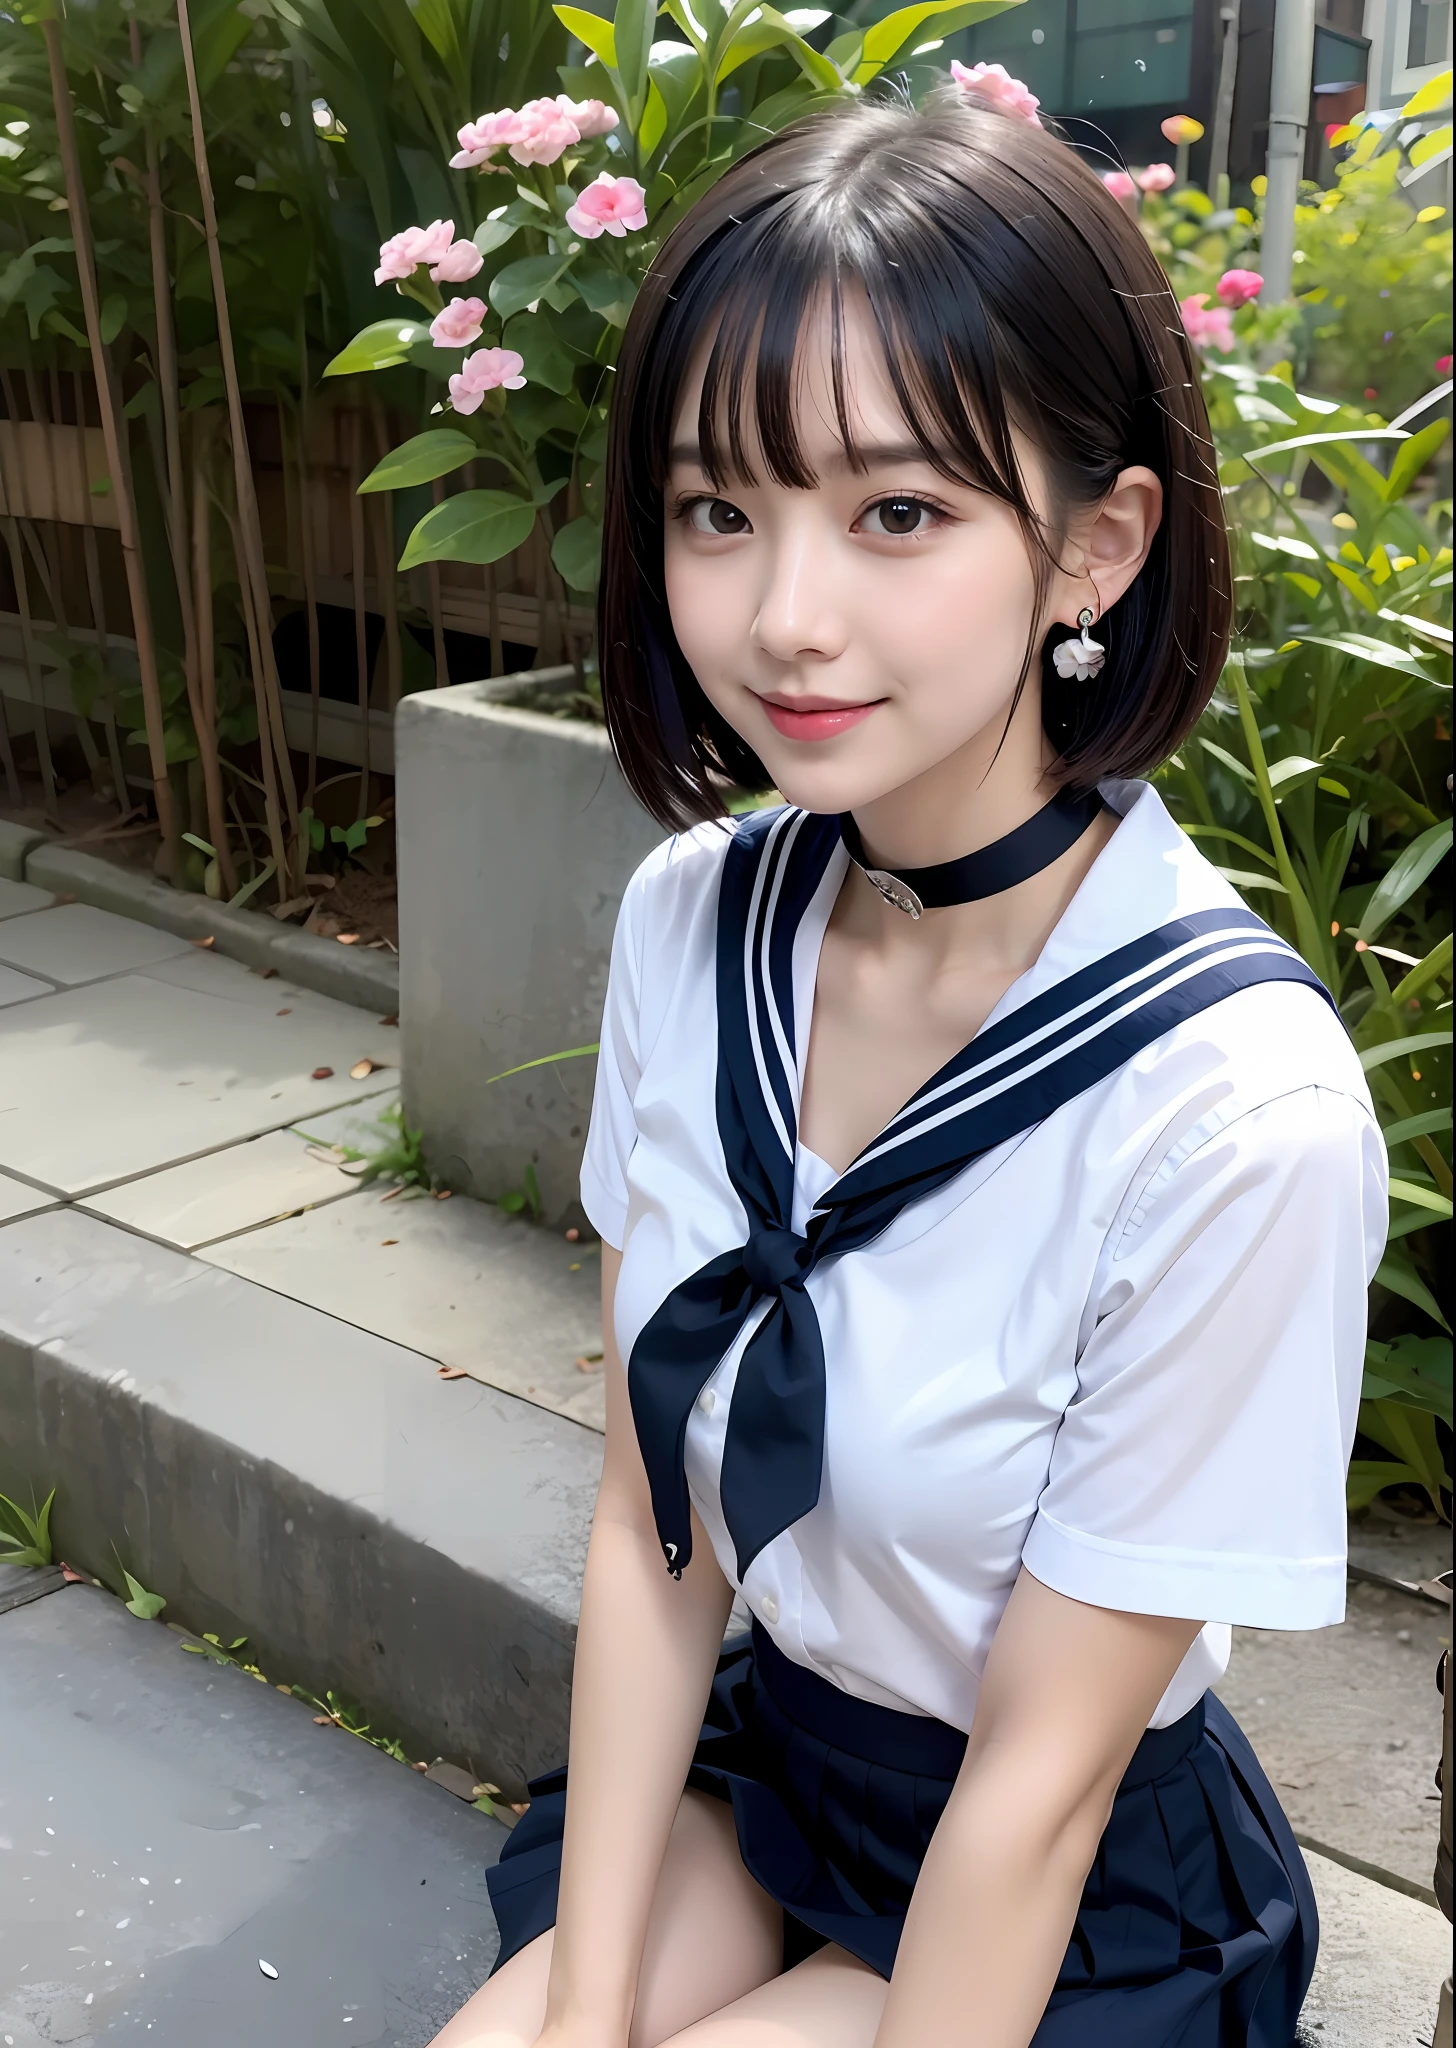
26,1538
144,1605
399,1157
552,257
526,1198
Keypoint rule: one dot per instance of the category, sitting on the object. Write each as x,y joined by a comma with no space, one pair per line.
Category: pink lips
814,721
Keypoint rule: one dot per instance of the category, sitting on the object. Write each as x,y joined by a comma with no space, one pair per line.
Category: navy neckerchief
1011,1076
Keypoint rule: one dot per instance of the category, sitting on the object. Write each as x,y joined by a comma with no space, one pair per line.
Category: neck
966,802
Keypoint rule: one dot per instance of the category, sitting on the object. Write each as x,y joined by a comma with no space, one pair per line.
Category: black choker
1045,837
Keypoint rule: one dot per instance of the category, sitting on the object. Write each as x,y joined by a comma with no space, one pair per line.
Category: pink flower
994,82
1207,326
1156,178
459,263
1442,366
1237,287
590,118
1120,185
613,204
489,369
543,130
459,324
400,254
480,139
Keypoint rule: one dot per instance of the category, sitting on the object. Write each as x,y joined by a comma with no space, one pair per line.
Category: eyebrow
881,455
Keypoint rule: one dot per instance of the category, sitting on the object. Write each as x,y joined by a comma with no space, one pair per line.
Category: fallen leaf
389,1240
421,1767
487,1791
323,1720
266,973
290,908
361,1070
520,1808
71,1576
588,1365
322,1074
60,898
573,1236
347,938
451,1372
443,1194
286,1011
390,1020
393,1195
203,943
267,1968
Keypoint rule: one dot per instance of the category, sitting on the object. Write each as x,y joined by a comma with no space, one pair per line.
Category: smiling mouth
814,718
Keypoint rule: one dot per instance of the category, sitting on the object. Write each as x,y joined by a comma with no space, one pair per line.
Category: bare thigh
712,1936
830,2001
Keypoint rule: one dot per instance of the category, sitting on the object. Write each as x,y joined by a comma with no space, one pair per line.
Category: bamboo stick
361,631
265,750
113,428
206,651
310,577
437,614
201,697
91,555
278,777
386,558
13,531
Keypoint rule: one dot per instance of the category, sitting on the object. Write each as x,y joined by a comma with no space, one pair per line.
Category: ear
1107,545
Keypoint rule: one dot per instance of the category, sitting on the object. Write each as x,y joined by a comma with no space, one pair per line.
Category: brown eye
899,518
716,515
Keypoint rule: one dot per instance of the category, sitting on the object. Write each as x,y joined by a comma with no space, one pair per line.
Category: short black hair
1008,289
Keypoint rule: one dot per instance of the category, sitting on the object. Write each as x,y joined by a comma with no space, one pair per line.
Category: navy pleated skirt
1197,1927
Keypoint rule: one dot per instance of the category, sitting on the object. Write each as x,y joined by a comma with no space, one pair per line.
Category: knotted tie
1010,1077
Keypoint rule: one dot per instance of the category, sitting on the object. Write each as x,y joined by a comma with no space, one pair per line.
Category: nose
799,615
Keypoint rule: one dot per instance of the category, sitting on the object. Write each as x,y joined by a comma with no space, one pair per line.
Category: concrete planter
516,838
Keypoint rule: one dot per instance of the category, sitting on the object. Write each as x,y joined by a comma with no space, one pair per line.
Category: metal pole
1289,93
1223,107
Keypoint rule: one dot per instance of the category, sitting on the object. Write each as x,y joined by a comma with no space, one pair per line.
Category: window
1422,42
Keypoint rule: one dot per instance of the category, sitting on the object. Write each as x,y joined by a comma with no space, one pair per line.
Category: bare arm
1067,1693
646,1649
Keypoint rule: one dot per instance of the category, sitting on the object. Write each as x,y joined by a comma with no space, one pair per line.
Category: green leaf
1403,1048
421,460
1298,441
1364,648
113,316
1416,1370
202,845
25,1539
1421,1126
1397,1274
888,39
1421,1197
577,1052
654,121
1436,144
144,1605
250,889
1409,869
1370,1476
1436,963
379,346
598,35
522,284
1410,1435
1355,585
577,553
1413,457
1431,97
607,292
494,232
476,526
632,31
537,343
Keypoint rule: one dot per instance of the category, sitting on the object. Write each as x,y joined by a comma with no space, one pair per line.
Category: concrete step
170,1826
278,1473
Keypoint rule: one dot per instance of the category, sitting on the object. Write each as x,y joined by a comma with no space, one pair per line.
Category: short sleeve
1200,1469
612,1131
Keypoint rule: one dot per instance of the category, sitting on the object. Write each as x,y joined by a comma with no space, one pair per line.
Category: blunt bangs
1008,292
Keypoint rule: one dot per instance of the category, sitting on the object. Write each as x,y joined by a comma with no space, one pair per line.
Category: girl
987,1198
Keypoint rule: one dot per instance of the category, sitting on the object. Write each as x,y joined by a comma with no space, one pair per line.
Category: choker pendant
1016,857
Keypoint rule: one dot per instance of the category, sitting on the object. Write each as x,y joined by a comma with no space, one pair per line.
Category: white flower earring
1082,657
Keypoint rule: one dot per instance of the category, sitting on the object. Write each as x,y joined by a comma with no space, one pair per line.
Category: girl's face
861,633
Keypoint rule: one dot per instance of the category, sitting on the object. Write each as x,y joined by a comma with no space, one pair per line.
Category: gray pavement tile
16,898
77,943
204,968
166,1823
1381,1960
21,988
100,1084
225,1192
280,1473
357,1124
17,1199
1347,1723
457,1280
